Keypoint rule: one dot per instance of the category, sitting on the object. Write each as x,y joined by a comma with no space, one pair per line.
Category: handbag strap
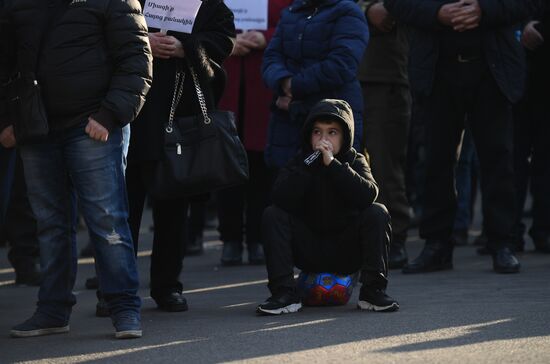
178,92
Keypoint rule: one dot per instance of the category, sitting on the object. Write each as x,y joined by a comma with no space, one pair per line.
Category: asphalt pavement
467,315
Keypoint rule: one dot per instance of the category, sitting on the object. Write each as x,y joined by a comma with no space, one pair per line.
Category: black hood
334,110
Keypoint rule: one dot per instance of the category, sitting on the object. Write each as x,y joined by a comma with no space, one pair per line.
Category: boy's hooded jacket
327,198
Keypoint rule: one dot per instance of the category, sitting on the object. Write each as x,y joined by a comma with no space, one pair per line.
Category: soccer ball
325,289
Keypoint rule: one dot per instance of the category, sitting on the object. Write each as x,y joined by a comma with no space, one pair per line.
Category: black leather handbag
202,153
26,109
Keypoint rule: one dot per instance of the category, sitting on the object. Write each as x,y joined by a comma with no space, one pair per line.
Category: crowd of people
353,115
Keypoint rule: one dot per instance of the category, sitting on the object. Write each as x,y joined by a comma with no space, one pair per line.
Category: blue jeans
70,165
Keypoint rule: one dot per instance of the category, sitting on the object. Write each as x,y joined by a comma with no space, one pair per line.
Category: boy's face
330,131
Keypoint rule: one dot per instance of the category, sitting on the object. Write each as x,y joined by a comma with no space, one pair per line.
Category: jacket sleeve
355,185
291,185
6,64
347,46
419,14
213,41
128,46
274,66
497,13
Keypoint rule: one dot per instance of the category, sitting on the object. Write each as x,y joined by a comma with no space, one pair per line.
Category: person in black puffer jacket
324,218
95,67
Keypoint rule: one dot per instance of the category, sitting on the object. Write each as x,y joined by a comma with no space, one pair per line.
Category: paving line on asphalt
283,327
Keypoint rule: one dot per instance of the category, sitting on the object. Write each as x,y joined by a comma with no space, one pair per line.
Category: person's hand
7,137
379,18
283,102
256,39
165,46
96,131
448,11
326,148
286,86
531,37
242,46
467,17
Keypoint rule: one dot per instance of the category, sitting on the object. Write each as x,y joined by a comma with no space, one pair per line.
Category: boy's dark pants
363,245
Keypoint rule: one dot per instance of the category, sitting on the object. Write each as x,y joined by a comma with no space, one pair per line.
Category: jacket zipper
314,13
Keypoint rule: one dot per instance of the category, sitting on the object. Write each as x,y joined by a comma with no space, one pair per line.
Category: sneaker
127,325
102,308
376,300
284,301
38,325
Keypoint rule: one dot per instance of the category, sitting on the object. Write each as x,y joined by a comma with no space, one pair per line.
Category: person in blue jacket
313,55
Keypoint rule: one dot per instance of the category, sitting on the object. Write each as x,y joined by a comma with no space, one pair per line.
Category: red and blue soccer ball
325,289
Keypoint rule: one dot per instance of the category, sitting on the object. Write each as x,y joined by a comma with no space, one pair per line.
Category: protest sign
174,15
249,14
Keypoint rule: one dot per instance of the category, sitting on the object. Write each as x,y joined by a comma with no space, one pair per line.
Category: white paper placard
249,14
174,15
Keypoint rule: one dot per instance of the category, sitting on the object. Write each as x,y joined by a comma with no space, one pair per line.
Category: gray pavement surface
467,315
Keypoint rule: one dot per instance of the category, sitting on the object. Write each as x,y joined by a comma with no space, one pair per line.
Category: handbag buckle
169,129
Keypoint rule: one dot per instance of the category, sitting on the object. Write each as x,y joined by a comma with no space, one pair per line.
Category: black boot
504,261
542,244
397,257
255,254
232,253
436,255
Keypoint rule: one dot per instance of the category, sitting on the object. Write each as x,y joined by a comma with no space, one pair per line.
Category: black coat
21,23
326,198
6,61
95,61
209,44
502,51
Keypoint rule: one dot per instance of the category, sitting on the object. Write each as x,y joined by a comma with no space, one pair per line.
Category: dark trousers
386,126
19,224
169,240
468,91
240,208
532,154
364,246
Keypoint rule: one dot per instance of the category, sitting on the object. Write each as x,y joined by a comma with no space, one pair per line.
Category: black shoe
460,237
436,255
102,308
481,240
92,283
542,244
504,261
376,300
28,276
172,302
397,257
87,251
232,253
195,245
286,300
485,250
255,254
